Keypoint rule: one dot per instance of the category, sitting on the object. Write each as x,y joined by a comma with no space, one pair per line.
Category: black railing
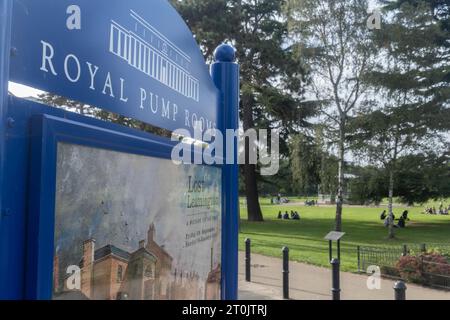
367,256
435,274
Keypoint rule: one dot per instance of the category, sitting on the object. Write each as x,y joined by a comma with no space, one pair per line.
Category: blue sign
137,59
134,58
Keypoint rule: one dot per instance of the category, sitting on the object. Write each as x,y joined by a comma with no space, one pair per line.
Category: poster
134,227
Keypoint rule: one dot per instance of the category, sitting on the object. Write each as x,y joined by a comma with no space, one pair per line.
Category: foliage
417,268
369,186
305,164
101,114
272,78
312,167
417,36
333,38
409,268
423,177
280,183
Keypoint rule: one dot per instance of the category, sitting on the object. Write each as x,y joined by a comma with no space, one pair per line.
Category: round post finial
225,53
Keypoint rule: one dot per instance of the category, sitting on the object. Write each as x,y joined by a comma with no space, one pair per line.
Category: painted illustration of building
212,288
110,273
146,49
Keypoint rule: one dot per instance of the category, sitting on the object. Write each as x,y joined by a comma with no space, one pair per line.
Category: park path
314,283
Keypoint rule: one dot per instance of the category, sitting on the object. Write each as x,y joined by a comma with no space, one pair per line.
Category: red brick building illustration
110,273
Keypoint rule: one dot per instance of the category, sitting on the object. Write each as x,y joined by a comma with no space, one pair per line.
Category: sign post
79,190
335,263
5,48
334,236
225,73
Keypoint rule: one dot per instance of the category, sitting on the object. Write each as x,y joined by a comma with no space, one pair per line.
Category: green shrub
418,268
409,268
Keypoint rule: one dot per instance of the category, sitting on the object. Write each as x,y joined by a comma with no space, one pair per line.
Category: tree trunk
250,176
251,192
391,204
392,169
341,177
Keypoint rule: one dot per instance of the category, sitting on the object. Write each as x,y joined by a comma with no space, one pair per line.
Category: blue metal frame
45,20
27,174
5,49
225,73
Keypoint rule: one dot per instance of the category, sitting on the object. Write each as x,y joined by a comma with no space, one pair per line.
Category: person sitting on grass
401,223
296,216
390,219
405,215
286,216
383,215
280,216
386,222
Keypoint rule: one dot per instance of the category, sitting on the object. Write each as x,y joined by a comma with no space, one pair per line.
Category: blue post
225,74
5,49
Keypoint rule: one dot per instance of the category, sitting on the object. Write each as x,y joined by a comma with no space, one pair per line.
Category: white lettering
66,68
154,107
122,86
92,74
175,112
187,123
143,97
165,109
74,20
47,55
108,84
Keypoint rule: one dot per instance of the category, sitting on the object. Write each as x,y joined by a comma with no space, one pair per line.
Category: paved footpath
314,283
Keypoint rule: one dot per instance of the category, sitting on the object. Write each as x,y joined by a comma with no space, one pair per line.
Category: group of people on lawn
388,219
294,216
443,210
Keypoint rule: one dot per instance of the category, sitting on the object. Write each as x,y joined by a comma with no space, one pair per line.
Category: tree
369,186
272,80
418,31
424,177
387,134
312,166
334,38
306,163
407,120
101,114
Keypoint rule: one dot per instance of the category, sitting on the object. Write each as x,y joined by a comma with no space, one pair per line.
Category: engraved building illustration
149,51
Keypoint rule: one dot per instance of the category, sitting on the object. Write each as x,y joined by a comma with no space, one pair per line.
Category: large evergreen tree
410,80
271,78
414,44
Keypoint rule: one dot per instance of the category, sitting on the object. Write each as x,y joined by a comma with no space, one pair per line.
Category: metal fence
431,273
436,274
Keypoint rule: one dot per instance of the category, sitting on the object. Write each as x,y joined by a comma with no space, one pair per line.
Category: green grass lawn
362,226
265,201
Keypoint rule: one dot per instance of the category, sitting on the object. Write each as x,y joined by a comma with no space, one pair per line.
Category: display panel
134,58
135,227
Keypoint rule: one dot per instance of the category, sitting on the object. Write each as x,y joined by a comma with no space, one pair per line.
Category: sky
23,91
